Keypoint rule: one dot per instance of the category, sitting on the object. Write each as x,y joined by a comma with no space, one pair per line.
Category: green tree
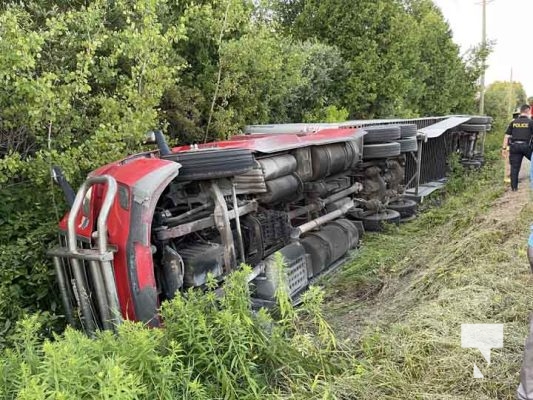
401,56
377,40
324,73
446,83
502,99
241,69
209,26
260,71
80,87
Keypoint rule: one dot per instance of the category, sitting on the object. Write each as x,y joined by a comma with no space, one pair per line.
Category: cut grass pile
402,300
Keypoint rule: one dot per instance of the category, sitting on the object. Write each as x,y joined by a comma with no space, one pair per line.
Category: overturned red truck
146,227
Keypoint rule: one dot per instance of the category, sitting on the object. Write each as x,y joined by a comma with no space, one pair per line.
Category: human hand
505,152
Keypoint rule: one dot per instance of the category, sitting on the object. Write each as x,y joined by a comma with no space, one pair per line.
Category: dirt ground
510,204
472,268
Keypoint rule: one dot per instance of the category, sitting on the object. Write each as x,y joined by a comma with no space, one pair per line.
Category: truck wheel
409,130
212,163
376,222
408,144
378,134
480,120
406,207
381,150
471,164
473,127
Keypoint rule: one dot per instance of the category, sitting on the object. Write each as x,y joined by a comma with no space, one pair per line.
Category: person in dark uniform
518,139
505,155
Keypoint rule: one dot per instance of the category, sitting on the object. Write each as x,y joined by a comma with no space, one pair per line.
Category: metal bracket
204,223
222,222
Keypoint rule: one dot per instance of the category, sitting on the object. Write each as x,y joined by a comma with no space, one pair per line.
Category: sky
509,23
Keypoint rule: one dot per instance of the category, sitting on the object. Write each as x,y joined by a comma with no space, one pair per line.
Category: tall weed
209,348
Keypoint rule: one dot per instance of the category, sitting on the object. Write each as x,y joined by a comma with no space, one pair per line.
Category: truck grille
73,292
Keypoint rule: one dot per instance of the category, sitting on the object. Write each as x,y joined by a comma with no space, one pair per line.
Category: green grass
403,298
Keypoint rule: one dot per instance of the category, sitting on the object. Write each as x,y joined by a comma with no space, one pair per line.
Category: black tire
406,207
355,215
488,127
381,150
480,120
472,128
409,130
375,222
212,163
472,164
381,133
408,144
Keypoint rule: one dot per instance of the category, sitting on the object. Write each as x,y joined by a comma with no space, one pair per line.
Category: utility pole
483,58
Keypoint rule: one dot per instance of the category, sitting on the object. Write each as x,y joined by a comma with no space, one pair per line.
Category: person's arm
505,144
507,136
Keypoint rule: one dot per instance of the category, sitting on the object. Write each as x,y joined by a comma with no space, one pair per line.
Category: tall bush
208,349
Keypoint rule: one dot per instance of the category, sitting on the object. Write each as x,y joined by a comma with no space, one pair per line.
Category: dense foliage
401,60
82,81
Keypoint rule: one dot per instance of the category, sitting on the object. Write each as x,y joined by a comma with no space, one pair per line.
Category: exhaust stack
59,179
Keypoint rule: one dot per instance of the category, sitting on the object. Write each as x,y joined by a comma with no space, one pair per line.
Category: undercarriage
145,228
